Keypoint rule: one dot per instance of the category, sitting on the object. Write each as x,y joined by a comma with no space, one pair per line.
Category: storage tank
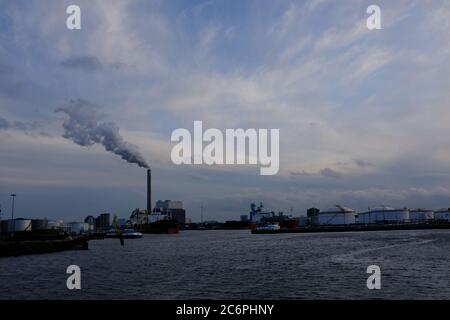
421,215
363,218
39,224
4,226
336,215
384,214
54,224
19,224
442,215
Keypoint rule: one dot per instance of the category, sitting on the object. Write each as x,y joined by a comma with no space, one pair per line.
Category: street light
12,215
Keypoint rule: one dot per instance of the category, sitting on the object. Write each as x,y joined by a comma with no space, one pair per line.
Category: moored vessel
259,217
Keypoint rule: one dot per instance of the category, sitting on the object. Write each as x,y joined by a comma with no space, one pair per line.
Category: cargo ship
260,219
165,226
155,222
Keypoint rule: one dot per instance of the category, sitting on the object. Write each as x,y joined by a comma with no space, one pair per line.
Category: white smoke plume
85,127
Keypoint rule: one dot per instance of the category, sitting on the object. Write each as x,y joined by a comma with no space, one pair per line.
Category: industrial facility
164,210
337,215
339,218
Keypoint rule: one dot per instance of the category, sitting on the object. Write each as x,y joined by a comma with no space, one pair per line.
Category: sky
363,114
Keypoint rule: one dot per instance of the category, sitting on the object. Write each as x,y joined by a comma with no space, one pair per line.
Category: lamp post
12,215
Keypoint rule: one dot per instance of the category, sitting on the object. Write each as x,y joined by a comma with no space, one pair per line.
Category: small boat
113,233
131,234
268,227
125,234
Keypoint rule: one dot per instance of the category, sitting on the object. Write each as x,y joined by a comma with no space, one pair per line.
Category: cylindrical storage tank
18,225
39,224
336,215
4,226
363,218
421,215
55,224
385,214
442,215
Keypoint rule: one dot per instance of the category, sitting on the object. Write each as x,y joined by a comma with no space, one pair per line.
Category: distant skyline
363,114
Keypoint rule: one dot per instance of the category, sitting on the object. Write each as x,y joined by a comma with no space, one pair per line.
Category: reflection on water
237,264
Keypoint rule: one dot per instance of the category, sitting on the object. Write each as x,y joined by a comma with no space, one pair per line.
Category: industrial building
103,222
76,228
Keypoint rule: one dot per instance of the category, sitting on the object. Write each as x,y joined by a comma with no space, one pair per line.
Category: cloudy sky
364,116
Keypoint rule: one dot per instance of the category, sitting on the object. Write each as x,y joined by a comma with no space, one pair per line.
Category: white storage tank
363,218
55,224
336,215
19,224
384,214
442,215
421,215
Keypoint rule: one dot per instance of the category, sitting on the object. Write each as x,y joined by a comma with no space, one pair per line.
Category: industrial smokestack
149,191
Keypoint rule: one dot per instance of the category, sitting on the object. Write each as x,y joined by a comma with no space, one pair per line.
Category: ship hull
160,227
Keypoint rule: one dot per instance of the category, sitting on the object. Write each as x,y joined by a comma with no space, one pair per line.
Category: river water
239,265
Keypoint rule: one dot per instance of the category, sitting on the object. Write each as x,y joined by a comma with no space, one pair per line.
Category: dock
18,248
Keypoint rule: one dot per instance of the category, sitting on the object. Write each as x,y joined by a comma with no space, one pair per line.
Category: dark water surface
238,265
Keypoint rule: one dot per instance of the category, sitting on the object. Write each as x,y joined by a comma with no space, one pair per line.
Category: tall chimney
149,191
